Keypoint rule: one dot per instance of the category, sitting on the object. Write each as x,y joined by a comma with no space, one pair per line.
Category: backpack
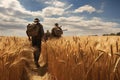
58,32
32,29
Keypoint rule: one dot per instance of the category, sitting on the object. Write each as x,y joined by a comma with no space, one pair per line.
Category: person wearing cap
57,31
36,41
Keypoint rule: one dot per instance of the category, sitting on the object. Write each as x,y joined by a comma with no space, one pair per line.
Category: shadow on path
42,70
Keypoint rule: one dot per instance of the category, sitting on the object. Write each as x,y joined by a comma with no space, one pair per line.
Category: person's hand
29,38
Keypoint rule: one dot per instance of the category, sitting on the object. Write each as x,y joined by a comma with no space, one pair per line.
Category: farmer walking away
35,32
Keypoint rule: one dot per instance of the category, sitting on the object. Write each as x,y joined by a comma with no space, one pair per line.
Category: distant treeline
112,34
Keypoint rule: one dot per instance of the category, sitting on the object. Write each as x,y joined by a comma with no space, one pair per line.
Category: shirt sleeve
42,30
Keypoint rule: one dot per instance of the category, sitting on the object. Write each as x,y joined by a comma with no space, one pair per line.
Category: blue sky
80,17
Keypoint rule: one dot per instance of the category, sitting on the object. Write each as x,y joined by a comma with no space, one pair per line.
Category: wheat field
68,58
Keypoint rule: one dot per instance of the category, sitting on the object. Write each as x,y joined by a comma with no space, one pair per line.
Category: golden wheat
69,58
83,58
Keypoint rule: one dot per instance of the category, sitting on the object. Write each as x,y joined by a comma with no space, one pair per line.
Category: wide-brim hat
36,20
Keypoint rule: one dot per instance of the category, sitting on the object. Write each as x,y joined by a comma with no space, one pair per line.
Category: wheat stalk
117,48
93,64
111,49
115,67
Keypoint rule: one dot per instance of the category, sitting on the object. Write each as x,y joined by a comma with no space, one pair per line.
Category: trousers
36,42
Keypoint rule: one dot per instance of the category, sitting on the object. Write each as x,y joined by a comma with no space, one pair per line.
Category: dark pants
36,42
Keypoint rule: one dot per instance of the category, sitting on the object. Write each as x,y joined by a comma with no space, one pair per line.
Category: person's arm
61,29
42,30
27,33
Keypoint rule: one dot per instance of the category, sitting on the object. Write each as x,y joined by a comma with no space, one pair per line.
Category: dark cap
36,20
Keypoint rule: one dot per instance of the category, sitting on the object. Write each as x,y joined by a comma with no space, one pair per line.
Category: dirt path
39,73
33,72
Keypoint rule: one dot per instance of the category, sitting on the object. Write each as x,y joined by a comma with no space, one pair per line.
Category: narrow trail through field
37,73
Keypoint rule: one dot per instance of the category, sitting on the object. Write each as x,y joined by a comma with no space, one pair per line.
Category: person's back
47,35
57,31
36,40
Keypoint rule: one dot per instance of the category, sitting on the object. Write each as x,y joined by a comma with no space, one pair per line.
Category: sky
79,17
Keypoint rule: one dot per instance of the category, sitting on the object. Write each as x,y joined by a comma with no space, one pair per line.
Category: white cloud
11,3
49,11
86,8
48,2
10,22
55,3
94,25
13,8
13,18
58,4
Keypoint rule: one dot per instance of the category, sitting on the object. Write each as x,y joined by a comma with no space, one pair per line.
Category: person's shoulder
28,24
32,24
54,27
40,24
